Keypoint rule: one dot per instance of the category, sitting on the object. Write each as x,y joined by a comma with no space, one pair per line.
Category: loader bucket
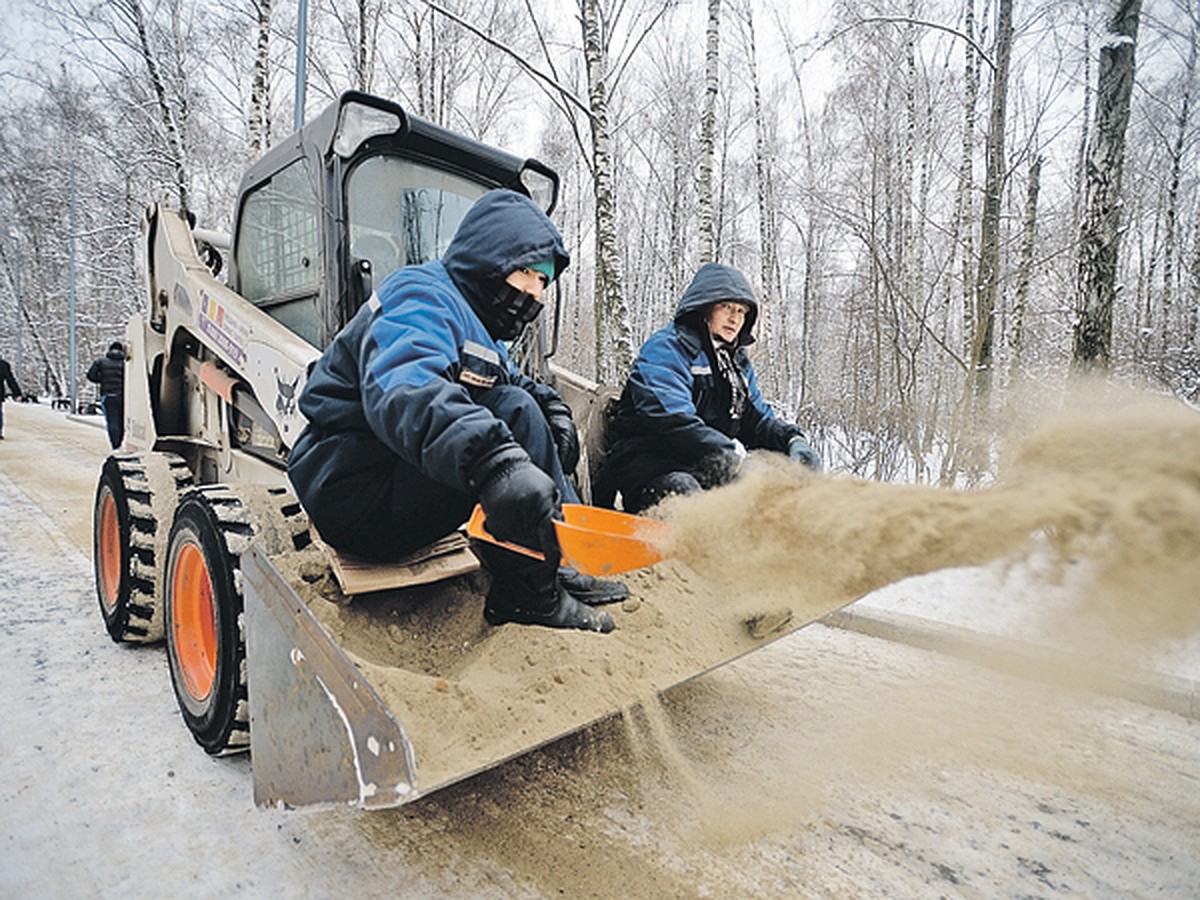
318,732
417,692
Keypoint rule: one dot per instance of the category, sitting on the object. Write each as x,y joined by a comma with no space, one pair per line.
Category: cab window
403,213
278,249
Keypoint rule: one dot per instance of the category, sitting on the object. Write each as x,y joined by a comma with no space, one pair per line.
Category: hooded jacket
403,377
109,371
8,384
674,412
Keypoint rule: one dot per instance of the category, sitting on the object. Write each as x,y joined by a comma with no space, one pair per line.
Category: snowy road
829,764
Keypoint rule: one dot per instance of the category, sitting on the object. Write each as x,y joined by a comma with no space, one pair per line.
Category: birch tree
1171,243
1100,236
613,343
259,116
712,60
144,66
774,322
1025,267
962,241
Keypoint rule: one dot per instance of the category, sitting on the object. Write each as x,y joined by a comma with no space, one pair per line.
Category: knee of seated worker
668,485
519,411
677,483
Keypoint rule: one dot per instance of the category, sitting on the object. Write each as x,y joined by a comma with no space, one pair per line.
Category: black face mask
511,311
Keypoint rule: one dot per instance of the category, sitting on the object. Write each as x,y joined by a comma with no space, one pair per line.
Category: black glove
566,437
520,501
721,466
799,450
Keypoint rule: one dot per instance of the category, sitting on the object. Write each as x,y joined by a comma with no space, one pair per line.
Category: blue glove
799,450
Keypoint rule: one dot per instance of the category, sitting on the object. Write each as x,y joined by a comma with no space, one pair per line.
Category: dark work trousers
399,510
114,416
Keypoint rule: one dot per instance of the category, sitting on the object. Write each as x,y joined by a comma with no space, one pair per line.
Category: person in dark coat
109,372
416,413
691,406
8,385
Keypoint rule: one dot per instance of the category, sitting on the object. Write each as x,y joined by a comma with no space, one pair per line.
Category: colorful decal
223,327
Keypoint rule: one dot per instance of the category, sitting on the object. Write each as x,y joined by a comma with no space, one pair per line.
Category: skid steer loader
377,699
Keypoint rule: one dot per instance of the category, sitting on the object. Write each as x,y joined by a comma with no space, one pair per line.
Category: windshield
403,213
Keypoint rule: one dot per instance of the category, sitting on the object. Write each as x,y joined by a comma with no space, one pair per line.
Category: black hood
116,351
502,232
714,283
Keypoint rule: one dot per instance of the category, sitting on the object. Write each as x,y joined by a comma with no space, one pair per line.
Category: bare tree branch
564,92
906,20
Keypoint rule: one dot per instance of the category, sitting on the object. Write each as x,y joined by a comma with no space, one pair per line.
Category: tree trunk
1192,326
1100,235
260,94
167,113
613,340
363,47
988,274
1170,240
708,131
1025,270
1080,187
966,177
773,321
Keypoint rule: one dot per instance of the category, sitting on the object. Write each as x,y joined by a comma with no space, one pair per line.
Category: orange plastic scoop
593,540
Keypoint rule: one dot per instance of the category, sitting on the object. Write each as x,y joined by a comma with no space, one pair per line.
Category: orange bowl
593,540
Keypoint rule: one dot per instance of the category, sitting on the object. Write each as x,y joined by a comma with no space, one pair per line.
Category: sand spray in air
1106,487
1101,487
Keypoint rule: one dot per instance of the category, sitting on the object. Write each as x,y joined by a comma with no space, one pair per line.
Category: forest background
941,203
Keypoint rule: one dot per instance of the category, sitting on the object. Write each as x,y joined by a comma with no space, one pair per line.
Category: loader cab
360,190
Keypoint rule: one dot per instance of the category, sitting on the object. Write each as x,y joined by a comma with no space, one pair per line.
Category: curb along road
1154,689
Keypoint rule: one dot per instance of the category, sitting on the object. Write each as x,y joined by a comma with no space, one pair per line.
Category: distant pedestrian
8,385
109,373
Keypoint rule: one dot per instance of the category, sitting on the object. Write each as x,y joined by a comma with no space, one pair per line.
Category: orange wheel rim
109,551
194,624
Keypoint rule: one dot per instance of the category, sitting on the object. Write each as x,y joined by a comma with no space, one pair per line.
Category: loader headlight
358,122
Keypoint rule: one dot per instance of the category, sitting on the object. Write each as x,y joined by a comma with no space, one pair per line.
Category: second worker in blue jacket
691,406
415,413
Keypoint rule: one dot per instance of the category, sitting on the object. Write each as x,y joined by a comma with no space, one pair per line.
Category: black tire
206,642
132,505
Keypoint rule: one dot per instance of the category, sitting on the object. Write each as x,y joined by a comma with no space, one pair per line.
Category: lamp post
20,323
71,289
15,241
301,62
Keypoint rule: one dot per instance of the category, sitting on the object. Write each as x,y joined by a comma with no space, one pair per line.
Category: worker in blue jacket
416,413
691,407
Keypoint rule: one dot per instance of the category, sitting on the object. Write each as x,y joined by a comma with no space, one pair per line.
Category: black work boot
533,596
567,612
590,590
